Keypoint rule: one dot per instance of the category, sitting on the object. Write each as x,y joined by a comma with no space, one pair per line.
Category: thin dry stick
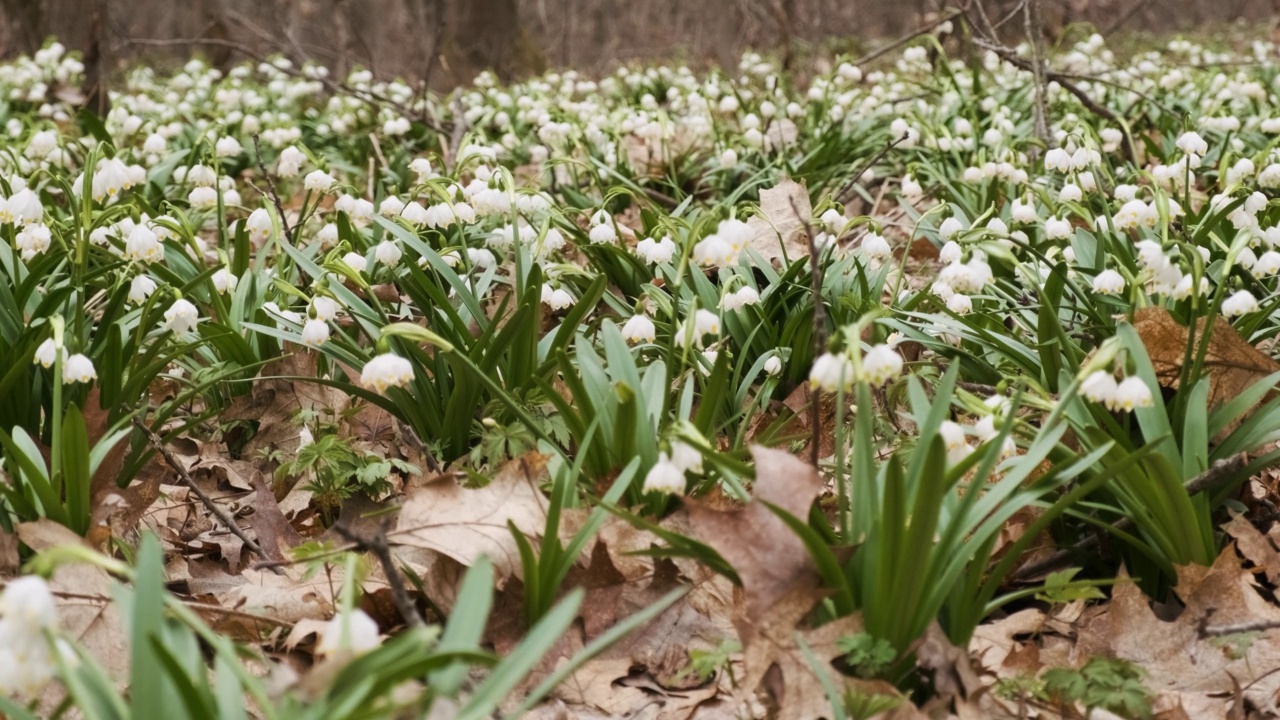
819,329
223,516
1031,19
1218,473
927,27
1207,630
381,549
271,187
842,194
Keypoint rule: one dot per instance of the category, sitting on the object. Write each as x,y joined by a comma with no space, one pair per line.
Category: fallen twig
819,328
223,516
842,194
381,549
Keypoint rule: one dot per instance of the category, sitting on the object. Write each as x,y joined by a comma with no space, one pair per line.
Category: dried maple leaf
1230,362
465,523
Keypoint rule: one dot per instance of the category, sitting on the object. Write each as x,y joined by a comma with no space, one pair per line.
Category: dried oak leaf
778,229
466,523
1182,666
1232,364
770,559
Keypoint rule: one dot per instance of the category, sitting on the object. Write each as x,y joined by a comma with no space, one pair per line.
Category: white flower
831,372
318,181
353,632
291,162
557,299
355,261
315,333
639,329
1266,265
258,225
388,253
202,176
1108,282
78,368
386,370
28,603
960,304
1192,144
1057,159
773,365
1023,212
1070,193
47,353
876,247
1056,229
911,189
391,206
305,437
881,363
950,252
713,251
25,206
202,196
1240,303
143,245
950,227
33,240
705,322
181,316
603,234
224,281
227,147
1132,393
664,477
728,159
953,437
325,308
1100,387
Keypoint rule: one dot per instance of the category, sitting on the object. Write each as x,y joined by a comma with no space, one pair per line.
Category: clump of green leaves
1103,683
338,471
867,655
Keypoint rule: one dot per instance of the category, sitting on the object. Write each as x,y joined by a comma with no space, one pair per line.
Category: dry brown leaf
288,596
1232,364
466,523
270,527
1257,548
1181,665
777,228
770,560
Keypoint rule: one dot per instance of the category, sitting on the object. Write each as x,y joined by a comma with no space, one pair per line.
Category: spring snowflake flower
1070,193
259,225
388,253
713,251
950,252
950,227
181,316
315,333
1240,303
1056,229
773,365
833,220
558,299
955,440
391,206
140,288
704,323
356,261
960,304
604,234
354,632
1132,393
831,372
227,147
728,159
743,297
875,247
28,603
224,282
1057,159
1192,144
78,369
290,162
880,364
1266,265
1108,282
639,329
155,144
46,354
318,181
203,197
202,176
664,477
33,240
1100,387
911,189
25,206
325,308
385,371
143,245
1023,212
